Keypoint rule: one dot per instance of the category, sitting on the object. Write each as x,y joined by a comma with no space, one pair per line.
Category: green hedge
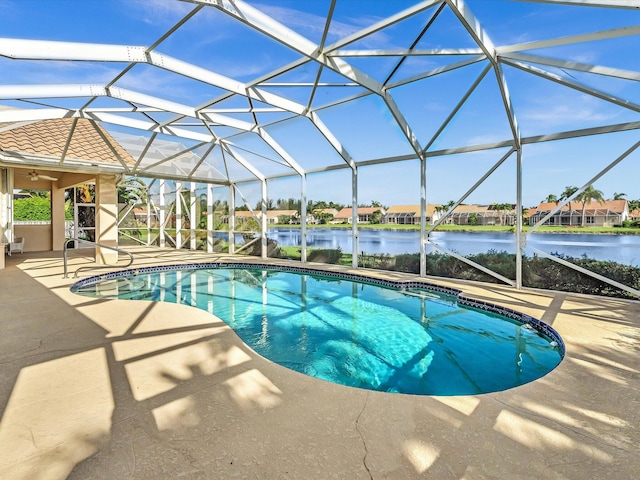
325,255
537,272
32,209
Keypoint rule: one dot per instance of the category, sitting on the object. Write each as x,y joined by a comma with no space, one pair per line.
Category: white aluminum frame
137,108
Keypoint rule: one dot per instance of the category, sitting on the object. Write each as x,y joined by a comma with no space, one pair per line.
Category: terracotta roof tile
270,213
346,212
49,138
612,205
415,209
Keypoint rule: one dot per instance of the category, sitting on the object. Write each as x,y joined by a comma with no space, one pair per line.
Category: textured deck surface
94,388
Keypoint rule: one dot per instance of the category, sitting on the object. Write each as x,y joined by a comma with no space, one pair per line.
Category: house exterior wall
575,219
481,218
58,226
37,236
401,219
106,219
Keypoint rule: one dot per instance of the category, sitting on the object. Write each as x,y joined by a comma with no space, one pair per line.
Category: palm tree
504,209
133,191
588,195
568,191
619,196
551,198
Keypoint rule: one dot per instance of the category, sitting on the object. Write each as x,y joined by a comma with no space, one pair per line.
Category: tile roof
346,212
415,209
473,208
49,137
270,213
330,211
611,205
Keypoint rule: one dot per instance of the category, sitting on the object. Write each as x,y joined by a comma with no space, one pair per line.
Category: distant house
273,216
319,213
17,195
410,214
605,214
140,214
282,216
482,215
634,215
364,214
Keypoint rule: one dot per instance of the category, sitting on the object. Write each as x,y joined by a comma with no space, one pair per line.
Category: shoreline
480,229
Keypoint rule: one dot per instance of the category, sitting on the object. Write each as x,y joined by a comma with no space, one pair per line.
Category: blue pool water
356,334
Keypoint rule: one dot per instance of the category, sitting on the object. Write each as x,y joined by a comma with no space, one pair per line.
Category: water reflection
352,333
619,248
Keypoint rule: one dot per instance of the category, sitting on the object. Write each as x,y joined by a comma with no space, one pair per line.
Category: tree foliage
588,195
32,209
132,191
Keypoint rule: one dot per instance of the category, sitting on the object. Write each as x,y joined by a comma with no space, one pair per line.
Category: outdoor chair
16,245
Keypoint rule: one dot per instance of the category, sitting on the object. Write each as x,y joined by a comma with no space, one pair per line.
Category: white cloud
56,72
556,111
302,21
312,25
156,12
152,81
563,114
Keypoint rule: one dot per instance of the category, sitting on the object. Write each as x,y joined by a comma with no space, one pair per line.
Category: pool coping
254,418
527,320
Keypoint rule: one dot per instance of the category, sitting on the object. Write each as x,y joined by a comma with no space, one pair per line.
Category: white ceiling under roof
226,91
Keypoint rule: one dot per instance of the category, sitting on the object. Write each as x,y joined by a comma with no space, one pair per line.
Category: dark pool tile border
525,319
289,268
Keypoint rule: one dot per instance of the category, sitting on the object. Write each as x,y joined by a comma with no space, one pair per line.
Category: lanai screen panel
256,90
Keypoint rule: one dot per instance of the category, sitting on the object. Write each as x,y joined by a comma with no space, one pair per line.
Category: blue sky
365,127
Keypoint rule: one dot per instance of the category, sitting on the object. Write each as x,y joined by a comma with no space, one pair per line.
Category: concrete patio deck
114,389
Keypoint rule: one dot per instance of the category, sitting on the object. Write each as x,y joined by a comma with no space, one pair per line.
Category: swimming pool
373,334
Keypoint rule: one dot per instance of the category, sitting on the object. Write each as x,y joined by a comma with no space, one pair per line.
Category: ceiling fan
35,176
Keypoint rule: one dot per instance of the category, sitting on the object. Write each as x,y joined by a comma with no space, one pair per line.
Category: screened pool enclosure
240,115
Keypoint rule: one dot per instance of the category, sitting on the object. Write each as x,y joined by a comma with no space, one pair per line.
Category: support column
163,213
5,213
178,212
210,225
106,219
423,217
303,219
520,236
263,221
354,217
232,218
193,216
148,199
58,232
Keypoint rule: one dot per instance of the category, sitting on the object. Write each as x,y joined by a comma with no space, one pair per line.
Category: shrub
32,209
408,262
325,255
630,224
538,272
273,250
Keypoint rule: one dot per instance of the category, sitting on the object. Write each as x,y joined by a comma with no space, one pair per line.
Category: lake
619,248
